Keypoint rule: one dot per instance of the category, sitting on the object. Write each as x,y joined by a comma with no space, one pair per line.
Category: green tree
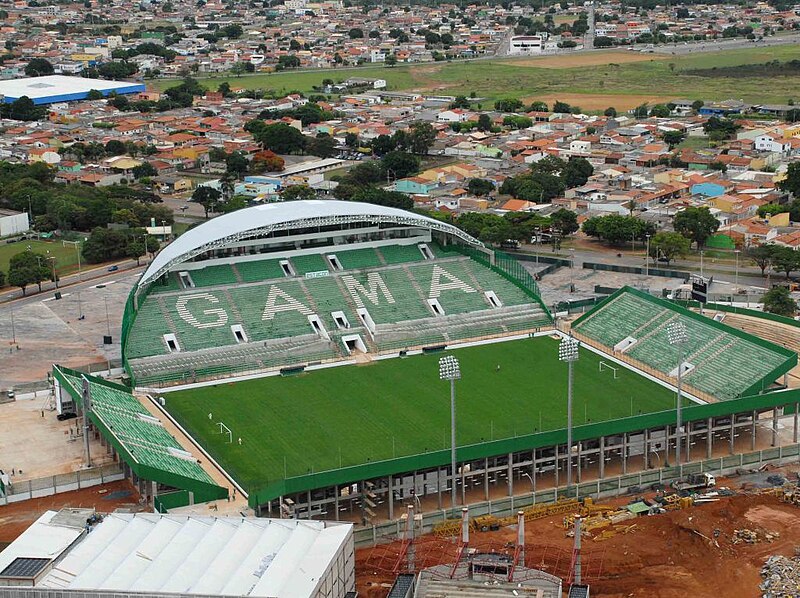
27,268
562,107
786,260
539,106
390,60
617,230
509,105
115,147
576,172
38,67
208,197
480,187
298,192
23,109
669,246
355,33
660,111
484,122
322,146
673,138
281,139
236,164
145,169
94,95
791,184
565,221
779,301
761,256
400,164
135,249
351,140
421,137
698,224
610,112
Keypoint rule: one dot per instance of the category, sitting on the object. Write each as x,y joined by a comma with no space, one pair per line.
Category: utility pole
87,407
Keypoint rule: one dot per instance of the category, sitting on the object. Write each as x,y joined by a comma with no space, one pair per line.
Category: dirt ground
664,556
599,101
16,517
567,61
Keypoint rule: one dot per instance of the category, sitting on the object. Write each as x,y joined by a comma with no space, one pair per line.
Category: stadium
298,345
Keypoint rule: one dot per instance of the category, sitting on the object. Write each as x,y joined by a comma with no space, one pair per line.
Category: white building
772,143
180,555
527,44
13,223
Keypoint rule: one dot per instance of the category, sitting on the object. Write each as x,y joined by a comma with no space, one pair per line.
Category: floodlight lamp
676,333
449,368
568,349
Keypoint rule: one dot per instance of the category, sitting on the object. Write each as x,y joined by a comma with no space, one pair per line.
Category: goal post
606,366
223,429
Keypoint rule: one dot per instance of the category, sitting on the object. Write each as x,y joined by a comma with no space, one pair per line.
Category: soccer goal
605,366
223,429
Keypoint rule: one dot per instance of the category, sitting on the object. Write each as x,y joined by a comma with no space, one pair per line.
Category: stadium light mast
678,337
450,369
568,351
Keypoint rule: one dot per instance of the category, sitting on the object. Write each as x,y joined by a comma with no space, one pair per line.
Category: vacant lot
351,415
629,75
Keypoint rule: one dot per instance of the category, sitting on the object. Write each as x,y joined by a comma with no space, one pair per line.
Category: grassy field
66,257
347,415
618,82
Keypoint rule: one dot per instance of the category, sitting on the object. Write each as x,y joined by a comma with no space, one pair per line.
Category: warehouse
60,88
78,550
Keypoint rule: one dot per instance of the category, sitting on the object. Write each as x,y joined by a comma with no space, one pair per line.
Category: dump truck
695,481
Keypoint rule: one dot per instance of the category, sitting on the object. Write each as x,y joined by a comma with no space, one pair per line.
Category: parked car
113,268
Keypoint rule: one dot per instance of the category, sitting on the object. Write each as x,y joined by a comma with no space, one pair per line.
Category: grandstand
138,438
719,361
293,284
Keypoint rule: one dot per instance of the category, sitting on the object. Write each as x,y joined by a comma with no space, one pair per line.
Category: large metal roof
263,219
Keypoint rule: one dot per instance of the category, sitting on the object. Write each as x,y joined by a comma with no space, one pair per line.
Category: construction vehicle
695,481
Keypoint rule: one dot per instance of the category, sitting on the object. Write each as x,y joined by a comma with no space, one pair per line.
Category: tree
281,139
779,301
27,268
238,68
390,60
115,147
351,140
509,105
561,107
761,256
673,138
791,184
565,221
617,230
94,95
785,259
484,122
400,164
610,112
38,67
660,111
669,246
135,249
236,164
576,172
381,197
539,106
480,187
383,144
323,146
23,109
298,192
208,197
602,41
355,33
421,137
698,224
145,169
117,70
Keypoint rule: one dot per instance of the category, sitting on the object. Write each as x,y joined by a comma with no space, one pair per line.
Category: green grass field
347,415
661,78
66,257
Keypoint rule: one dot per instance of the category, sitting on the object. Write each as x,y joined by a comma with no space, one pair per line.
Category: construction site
691,538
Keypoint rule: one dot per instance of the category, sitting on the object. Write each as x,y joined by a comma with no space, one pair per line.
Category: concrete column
439,487
774,426
486,479
578,459
557,464
625,453
335,501
646,459
796,422
602,457
390,498
753,431
510,472
308,501
732,432
709,437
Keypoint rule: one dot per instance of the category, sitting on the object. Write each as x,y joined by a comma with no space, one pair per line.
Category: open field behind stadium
349,415
66,256
654,76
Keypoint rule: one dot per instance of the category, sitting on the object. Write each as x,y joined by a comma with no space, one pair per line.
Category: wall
14,224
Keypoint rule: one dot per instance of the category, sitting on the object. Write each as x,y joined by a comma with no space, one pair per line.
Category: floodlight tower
449,369
568,351
678,337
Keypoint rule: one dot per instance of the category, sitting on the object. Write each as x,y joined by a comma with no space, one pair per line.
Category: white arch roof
263,219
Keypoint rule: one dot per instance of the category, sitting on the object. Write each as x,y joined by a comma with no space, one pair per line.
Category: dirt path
567,61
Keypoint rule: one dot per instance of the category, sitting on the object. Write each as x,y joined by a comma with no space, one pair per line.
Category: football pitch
349,415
